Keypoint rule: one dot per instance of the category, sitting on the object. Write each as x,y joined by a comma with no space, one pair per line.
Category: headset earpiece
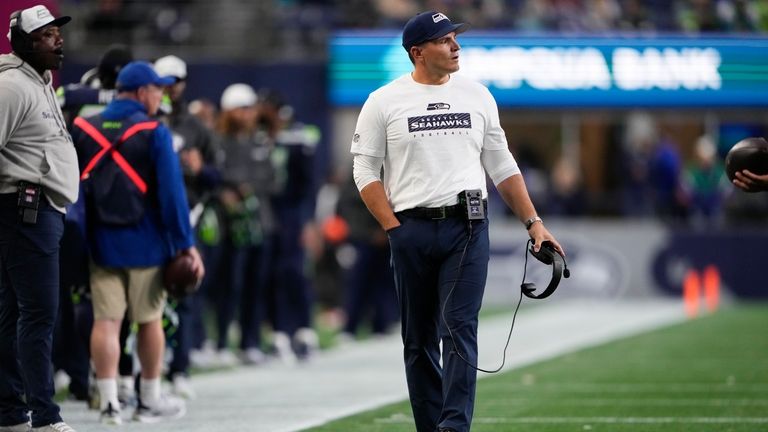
21,42
528,287
547,255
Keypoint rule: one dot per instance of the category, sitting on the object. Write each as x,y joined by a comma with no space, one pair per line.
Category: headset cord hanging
514,316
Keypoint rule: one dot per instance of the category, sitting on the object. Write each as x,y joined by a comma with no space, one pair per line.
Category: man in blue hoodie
38,179
137,219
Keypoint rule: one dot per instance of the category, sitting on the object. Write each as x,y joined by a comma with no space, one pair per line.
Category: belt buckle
442,214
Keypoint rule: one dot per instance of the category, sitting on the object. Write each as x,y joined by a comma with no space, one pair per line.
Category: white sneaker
203,358
253,356
166,408
55,427
283,350
226,358
111,415
182,387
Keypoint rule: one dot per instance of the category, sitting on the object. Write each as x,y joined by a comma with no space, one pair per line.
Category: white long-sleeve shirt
434,141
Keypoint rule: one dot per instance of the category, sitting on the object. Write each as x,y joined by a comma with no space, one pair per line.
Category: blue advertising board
555,71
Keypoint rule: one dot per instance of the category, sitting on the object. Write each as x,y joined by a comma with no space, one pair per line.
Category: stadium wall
612,259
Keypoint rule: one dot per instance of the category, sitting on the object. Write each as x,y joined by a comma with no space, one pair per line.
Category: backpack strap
108,147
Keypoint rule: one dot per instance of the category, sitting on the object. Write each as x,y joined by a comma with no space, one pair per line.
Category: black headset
548,255
21,42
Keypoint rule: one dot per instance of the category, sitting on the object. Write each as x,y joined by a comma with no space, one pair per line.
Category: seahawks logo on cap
438,106
436,18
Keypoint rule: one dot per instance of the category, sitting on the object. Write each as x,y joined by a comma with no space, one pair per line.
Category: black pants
432,258
29,300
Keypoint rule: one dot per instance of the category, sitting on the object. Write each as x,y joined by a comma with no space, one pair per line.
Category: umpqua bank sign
564,71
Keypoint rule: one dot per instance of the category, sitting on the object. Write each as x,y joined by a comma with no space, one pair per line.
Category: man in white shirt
436,135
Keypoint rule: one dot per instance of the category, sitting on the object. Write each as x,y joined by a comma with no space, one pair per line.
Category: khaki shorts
138,290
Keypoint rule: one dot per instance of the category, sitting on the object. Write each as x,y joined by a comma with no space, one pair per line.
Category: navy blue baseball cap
139,74
428,26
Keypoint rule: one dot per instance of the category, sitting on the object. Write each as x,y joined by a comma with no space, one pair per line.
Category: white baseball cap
34,18
238,96
172,66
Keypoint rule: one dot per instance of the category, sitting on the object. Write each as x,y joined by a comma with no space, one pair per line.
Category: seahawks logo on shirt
438,106
439,122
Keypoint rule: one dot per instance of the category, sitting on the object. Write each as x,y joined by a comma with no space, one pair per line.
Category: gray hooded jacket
35,145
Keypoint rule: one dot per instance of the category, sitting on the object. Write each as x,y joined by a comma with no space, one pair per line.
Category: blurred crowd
298,29
275,260
646,172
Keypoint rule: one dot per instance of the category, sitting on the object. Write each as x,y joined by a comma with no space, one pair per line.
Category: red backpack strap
106,146
100,139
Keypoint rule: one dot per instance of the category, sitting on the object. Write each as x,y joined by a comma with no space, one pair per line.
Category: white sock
107,393
150,391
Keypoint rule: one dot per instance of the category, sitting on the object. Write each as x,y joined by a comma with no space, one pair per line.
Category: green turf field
705,375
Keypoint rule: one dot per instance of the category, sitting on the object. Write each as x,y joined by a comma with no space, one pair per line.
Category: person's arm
365,170
11,111
502,168
375,199
515,194
174,210
751,182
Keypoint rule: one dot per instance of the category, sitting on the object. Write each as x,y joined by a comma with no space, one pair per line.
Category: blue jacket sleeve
174,209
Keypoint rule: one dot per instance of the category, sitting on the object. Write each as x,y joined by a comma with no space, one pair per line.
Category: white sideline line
637,402
402,419
625,420
648,387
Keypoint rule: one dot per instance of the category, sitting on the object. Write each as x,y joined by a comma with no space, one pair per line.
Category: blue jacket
164,227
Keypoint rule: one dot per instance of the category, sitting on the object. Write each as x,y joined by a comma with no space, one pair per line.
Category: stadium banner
549,71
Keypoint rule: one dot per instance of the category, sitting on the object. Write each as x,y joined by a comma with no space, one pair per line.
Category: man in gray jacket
38,179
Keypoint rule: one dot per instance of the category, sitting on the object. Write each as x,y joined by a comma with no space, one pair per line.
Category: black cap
428,26
111,62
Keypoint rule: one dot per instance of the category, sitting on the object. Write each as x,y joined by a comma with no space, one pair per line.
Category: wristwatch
529,223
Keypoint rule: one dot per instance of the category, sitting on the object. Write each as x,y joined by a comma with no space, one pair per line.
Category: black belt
446,212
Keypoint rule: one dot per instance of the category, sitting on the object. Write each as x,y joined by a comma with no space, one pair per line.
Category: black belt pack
29,201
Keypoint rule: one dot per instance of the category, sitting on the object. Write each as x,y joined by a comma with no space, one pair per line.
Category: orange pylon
691,288
711,287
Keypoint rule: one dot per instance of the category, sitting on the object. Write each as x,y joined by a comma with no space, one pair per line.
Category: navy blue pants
29,300
427,257
291,294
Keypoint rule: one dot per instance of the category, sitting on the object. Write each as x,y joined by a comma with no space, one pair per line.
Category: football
179,278
750,154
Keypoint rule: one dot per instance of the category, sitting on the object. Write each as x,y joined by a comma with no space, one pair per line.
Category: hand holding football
748,154
179,276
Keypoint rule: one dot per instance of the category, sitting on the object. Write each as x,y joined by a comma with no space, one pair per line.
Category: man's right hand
198,266
751,182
